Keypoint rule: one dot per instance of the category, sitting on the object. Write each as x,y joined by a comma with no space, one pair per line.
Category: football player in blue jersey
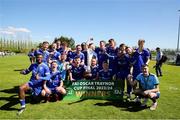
106,73
123,68
55,84
149,86
65,48
77,70
40,72
129,55
141,57
101,53
122,47
63,65
59,47
31,56
44,51
112,51
94,70
53,53
78,53
144,52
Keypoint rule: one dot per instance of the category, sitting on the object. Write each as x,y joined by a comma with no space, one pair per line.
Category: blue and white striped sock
22,102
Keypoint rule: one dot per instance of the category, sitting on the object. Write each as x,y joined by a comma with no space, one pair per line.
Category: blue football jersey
55,80
44,53
94,72
112,54
54,55
102,56
81,55
108,75
77,72
42,70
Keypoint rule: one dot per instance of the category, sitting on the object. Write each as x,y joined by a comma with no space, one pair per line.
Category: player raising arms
40,72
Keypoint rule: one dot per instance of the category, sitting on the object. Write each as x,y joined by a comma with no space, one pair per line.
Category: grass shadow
14,99
79,101
126,105
15,89
18,69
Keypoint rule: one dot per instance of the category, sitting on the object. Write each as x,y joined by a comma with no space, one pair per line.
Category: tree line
23,46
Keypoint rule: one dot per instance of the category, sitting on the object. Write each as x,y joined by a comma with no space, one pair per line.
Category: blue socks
22,102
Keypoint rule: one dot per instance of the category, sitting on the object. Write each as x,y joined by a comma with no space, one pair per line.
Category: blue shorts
53,90
35,87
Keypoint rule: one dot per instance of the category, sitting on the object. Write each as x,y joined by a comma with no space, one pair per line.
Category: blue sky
124,20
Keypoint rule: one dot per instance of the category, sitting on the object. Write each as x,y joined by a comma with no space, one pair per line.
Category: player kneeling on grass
40,72
149,86
54,85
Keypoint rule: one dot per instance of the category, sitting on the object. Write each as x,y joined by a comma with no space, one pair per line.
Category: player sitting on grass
54,85
40,72
149,86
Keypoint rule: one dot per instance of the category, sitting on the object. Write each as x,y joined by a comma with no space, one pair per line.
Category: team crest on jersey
40,68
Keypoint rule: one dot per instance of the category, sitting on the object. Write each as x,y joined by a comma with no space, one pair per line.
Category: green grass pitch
10,79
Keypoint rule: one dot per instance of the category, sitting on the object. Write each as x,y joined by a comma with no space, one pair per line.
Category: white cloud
10,30
13,29
7,32
14,33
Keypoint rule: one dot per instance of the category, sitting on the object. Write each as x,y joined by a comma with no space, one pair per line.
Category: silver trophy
89,57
